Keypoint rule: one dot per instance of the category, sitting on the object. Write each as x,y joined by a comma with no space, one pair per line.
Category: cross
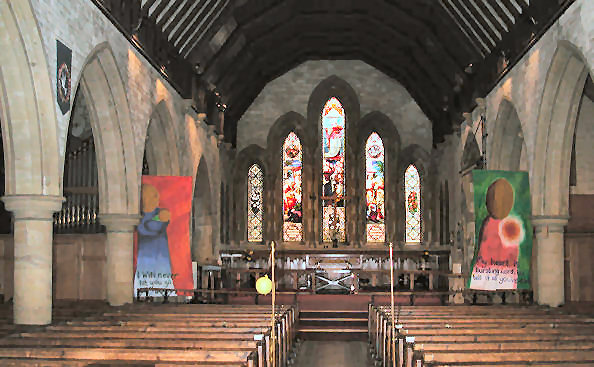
335,200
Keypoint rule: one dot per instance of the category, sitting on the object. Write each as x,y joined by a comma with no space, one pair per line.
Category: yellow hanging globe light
264,285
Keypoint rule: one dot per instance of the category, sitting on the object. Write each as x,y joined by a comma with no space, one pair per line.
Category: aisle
333,354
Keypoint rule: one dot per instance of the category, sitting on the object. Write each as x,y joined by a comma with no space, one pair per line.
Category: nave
155,334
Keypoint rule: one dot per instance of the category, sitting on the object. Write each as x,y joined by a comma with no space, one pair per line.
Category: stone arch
27,105
471,156
109,112
378,122
252,154
289,122
203,216
507,144
161,150
556,121
334,86
415,154
555,128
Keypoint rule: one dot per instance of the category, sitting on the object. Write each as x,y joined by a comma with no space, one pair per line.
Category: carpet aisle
333,354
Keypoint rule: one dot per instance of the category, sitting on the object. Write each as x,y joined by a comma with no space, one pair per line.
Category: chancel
296,183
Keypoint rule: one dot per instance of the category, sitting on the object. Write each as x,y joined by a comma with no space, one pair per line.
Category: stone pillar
33,235
120,256
549,245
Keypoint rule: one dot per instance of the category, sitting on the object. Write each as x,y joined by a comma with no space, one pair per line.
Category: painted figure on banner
501,234
162,256
153,245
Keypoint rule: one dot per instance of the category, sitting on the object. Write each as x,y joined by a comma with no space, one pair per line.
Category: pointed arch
507,143
27,105
255,207
292,188
412,194
375,188
203,216
381,124
161,150
555,128
334,86
333,170
252,154
109,113
416,156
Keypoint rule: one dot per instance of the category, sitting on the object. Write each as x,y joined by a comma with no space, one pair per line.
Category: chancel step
333,324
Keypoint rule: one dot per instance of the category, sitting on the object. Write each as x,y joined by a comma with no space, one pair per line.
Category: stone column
33,235
549,245
120,256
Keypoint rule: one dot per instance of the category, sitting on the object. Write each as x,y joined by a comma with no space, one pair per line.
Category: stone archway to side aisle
118,180
550,175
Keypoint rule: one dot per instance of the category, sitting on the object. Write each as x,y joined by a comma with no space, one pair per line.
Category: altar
338,271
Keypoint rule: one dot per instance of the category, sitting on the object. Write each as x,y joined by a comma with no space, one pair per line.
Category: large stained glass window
333,171
374,188
292,195
412,192
255,191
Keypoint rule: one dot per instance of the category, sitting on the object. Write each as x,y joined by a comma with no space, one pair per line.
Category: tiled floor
333,354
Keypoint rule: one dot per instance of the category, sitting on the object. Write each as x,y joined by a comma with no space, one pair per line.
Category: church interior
275,183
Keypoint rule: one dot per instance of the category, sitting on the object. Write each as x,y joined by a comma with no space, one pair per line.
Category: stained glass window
255,191
374,188
292,195
333,171
412,192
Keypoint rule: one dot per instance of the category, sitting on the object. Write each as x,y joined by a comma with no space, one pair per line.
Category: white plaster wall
584,149
375,90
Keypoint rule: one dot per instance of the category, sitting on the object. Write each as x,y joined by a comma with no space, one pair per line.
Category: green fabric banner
503,240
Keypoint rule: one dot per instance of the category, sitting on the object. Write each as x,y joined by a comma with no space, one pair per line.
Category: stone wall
81,26
523,90
375,91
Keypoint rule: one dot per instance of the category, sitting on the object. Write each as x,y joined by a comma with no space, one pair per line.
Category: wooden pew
150,335
474,336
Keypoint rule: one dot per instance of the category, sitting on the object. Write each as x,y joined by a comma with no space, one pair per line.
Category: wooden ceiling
445,53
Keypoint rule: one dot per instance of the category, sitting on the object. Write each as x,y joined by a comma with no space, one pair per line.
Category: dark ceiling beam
159,9
299,23
280,13
169,13
501,13
511,8
490,16
249,88
473,12
440,29
147,5
191,18
269,55
476,41
513,45
204,50
448,34
176,19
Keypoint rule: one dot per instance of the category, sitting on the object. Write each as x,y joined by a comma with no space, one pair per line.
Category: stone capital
554,221
119,222
32,207
543,225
